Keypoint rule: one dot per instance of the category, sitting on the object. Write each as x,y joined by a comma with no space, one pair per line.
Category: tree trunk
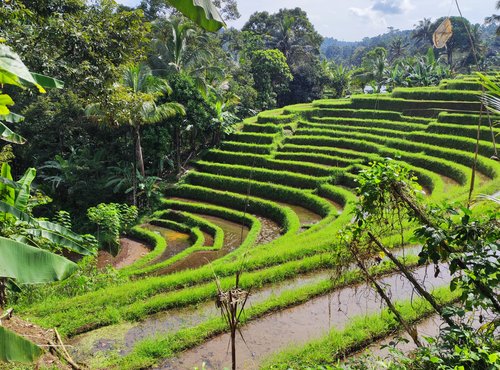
233,348
138,150
421,290
193,139
3,295
177,142
134,176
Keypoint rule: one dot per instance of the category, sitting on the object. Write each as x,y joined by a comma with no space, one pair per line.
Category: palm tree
397,49
143,89
494,19
422,33
132,102
171,49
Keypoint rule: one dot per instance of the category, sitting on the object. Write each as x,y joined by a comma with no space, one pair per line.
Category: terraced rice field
271,199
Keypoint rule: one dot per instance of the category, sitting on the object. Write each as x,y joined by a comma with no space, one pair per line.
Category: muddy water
448,182
234,235
121,338
306,216
176,242
429,327
337,206
299,325
270,230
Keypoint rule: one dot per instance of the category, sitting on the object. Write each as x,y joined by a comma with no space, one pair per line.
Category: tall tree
132,102
422,33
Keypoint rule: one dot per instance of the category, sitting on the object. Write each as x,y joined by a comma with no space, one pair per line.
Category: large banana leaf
12,118
13,71
59,240
202,12
30,265
23,195
7,134
14,348
7,193
47,82
48,230
10,183
51,226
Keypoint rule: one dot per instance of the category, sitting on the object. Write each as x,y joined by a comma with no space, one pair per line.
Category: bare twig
424,293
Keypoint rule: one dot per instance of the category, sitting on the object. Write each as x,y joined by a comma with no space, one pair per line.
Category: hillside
273,195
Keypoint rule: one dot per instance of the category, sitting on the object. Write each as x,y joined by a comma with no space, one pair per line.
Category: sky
352,20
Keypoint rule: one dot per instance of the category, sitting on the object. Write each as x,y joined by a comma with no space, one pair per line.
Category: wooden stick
412,332
423,293
65,353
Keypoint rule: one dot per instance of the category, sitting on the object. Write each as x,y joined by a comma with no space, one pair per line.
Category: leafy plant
111,220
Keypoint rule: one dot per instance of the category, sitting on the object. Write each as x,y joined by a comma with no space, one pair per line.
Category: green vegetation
267,154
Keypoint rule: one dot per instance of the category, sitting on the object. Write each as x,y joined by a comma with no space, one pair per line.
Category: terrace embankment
234,235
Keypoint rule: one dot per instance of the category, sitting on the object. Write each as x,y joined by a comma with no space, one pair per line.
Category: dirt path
130,251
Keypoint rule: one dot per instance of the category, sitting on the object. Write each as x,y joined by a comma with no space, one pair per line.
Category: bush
111,220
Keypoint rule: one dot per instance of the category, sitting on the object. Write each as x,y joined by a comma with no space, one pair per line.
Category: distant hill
349,53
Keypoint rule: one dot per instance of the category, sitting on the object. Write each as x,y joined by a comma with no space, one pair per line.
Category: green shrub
111,220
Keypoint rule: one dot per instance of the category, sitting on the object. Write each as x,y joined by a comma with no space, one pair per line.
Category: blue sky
354,19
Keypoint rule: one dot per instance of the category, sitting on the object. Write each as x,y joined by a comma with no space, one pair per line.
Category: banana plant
26,265
14,72
15,207
202,12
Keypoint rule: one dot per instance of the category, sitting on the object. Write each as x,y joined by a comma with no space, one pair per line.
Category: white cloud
380,9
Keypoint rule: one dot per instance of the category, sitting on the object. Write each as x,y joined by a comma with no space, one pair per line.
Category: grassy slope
293,253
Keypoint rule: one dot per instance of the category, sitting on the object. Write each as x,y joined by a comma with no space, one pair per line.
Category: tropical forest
236,184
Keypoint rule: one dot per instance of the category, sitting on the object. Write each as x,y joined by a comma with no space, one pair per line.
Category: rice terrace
184,194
